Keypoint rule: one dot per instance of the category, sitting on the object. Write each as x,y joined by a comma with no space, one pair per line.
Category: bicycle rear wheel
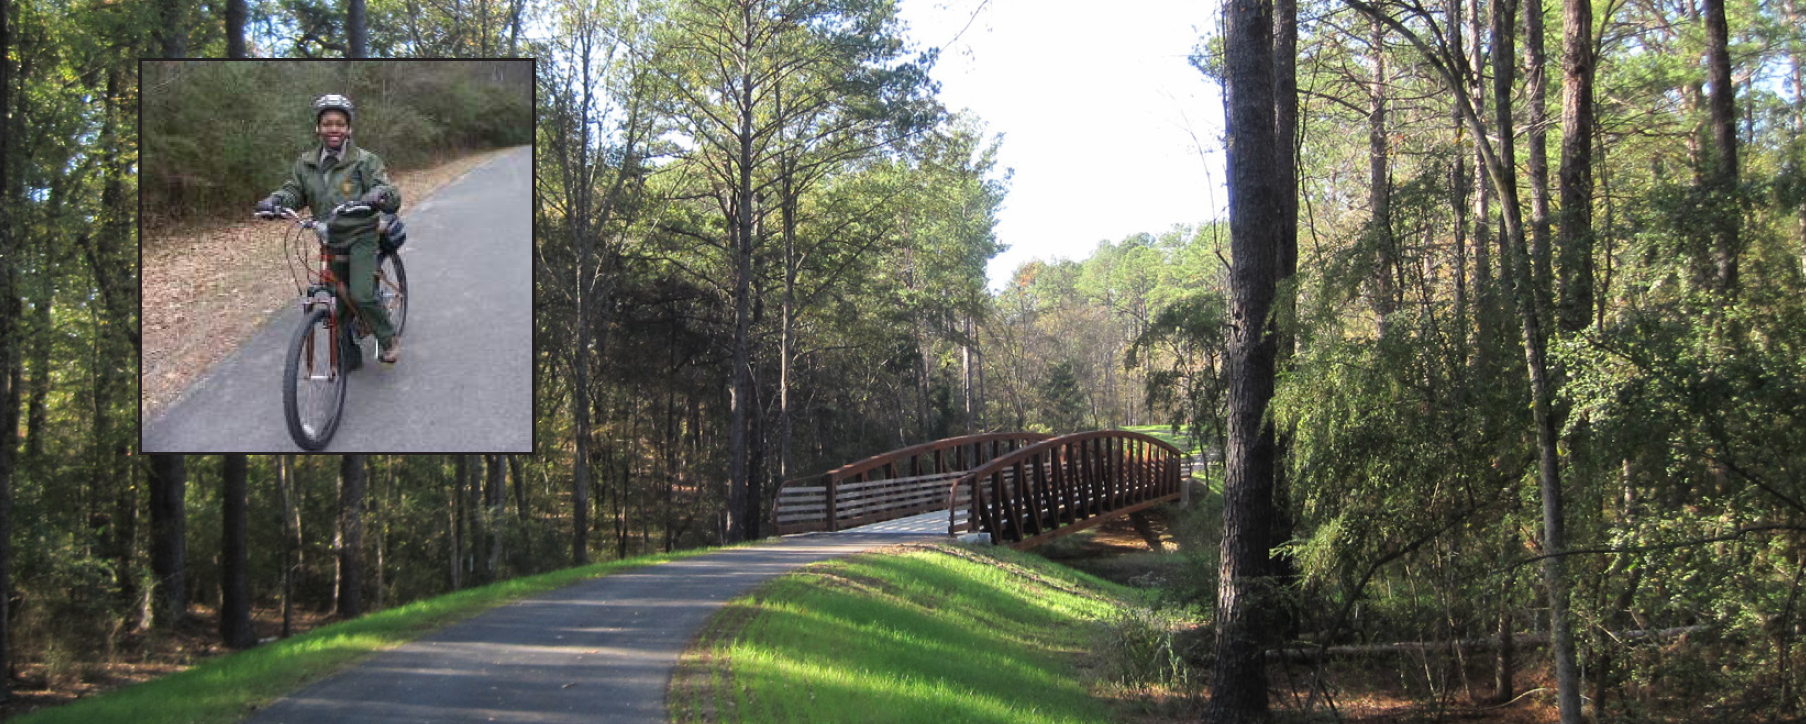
392,289
313,383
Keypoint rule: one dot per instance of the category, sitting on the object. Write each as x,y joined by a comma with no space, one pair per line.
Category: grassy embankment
1165,432
231,687
933,634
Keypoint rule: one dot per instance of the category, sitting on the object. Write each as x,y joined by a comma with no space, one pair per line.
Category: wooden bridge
1022,489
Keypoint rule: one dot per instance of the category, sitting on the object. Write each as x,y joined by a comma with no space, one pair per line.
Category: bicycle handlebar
349,208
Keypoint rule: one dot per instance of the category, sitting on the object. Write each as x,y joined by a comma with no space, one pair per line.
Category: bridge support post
1145,529
833,512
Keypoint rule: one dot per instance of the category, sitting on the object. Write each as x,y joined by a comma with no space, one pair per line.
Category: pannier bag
391,233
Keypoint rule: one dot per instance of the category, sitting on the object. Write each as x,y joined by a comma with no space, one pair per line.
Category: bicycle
313,382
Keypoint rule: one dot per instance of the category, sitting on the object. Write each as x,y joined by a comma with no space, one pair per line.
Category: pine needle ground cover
230,688
922,634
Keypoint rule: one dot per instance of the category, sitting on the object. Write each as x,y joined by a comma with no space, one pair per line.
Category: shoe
392,352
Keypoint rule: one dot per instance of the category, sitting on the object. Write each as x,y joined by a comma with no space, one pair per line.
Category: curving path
598,651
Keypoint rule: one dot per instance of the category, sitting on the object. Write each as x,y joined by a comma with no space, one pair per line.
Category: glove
267,206
376,198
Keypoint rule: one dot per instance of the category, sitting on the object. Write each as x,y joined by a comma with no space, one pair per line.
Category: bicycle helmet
333,102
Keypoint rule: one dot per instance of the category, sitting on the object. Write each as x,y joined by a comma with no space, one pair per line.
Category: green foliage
1148,647
1191,335
228,688
218,136
1126,323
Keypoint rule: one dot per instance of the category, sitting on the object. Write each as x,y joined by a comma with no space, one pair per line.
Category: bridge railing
893,485
1065,484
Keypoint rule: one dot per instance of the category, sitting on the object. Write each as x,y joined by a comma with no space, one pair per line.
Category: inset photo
336,256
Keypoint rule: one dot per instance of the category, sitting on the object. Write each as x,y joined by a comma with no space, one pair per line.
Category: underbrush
230,687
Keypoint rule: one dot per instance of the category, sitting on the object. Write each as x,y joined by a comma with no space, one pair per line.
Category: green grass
1165,432
939,634
229,688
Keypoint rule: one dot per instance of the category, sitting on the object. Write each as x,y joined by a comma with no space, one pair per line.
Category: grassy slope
1165,432
229,688
939,634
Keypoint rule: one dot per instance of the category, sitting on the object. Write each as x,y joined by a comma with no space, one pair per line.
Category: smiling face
333,129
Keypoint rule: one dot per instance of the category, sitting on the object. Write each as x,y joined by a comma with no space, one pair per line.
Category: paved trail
465,380
598,651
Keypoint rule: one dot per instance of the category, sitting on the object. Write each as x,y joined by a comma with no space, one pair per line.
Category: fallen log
1307,653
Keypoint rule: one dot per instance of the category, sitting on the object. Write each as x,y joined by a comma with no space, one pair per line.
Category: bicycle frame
325,296
324,287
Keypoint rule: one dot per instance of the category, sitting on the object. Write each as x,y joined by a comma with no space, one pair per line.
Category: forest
1501,340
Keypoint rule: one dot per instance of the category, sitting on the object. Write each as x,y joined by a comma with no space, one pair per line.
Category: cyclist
336,172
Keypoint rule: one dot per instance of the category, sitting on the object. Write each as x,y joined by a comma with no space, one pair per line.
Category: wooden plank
810,490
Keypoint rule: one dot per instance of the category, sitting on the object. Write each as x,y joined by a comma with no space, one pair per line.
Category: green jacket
356,173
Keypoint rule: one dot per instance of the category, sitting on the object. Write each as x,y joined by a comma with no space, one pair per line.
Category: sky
1107,127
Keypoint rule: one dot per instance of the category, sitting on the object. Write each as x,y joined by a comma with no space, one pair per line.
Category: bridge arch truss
1021,489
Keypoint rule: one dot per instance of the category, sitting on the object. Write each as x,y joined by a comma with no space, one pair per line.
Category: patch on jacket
345,187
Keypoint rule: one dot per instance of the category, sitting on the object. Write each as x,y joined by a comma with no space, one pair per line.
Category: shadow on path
598,651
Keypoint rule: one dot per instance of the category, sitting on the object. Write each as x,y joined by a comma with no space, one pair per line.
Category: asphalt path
465,379
598,651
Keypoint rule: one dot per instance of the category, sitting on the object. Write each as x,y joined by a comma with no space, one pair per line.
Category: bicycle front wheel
313,383
392,289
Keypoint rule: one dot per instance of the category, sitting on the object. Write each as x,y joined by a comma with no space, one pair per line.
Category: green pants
360,277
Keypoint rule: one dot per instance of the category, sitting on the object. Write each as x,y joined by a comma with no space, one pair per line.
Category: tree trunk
1239,683
172,28
1483,238
1536,81
357,30
496,493
1505,660
740,398
1542,383
787,331
1723,170
1574,233
9,394
455,516
291,542
380,529
235,582
169,539
520,488
1285,164
351,527
1379,184
514,28
236,15
580,463
1542,387
579,181
37,408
